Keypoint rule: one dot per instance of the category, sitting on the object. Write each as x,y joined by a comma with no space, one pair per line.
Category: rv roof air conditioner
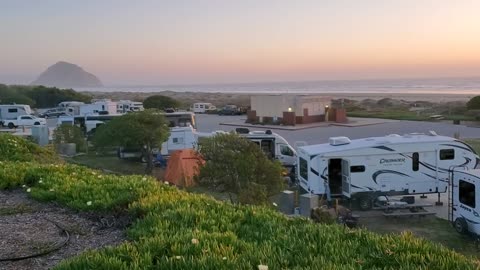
339,141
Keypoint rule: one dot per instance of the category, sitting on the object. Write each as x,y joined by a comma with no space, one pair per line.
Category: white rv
274,145
180,138
464,201
13,111
364,169
97,107
202,107
126,106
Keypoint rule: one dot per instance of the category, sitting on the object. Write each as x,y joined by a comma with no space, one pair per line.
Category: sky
148,42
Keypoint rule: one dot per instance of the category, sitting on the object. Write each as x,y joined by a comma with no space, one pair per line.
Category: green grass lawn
109,163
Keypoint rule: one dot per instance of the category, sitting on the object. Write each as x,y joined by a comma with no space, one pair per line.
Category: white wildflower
40,181
24,186
224,258
275,204
166,183
178,257
51,190
99,176
29,189
262,267
195,241
89,203
144,178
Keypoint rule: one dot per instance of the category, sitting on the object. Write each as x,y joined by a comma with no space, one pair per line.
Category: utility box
286,202
40,135
307,203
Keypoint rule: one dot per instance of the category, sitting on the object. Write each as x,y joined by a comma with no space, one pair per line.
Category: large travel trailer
202,107
95,108
13,111
364,169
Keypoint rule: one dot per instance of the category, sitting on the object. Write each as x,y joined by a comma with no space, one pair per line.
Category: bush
160,102
14,148
474,103
70,134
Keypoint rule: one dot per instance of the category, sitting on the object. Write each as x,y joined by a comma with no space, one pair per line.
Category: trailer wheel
365,203
11,125
461,225
36,123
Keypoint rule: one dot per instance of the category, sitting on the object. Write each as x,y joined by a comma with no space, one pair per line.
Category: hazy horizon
223,42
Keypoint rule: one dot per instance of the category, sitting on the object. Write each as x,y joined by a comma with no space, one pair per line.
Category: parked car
55,112
25,120
229,110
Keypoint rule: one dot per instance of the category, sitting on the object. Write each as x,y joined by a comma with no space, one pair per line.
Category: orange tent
182,167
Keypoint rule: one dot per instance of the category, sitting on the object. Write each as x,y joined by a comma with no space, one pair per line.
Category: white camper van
464,201
202,107
364,169
126,106
13,111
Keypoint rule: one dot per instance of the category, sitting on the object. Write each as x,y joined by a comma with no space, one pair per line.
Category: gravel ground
28,227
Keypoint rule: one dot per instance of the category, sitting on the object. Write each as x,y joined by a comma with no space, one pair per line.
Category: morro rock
67,75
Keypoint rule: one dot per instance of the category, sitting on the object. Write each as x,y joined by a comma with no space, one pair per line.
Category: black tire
11,125
365,203
460,225
36,123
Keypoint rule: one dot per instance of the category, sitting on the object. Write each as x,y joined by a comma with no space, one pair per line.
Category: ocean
463,86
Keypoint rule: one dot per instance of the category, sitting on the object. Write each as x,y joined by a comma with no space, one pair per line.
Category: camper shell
202,107
13,111
391,165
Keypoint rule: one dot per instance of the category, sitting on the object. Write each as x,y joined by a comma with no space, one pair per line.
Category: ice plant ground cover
178,230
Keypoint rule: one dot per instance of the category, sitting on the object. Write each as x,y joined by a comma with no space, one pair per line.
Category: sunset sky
219,41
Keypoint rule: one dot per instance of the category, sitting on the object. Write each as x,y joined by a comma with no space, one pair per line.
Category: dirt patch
28,227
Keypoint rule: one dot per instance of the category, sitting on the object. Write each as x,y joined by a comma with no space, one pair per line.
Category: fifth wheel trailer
365,169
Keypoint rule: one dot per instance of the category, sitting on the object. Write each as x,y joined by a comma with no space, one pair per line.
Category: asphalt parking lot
208,123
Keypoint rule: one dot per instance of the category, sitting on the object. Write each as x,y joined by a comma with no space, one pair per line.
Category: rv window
357,169
447,154
303,169
285,150
466,193
26,117
178,140
415,161
13,110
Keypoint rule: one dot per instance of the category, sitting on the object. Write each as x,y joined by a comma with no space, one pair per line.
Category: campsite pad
28,227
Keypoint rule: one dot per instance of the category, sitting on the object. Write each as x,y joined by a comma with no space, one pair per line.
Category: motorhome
365,169
202,107
274,145
464,200
104,106
126,106
13,111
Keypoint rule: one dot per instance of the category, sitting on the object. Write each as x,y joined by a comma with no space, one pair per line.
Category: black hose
44,252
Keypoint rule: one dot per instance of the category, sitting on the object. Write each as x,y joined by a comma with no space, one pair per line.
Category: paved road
207,123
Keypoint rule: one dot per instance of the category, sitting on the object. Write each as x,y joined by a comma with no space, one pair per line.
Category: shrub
474,103
14,148
70,134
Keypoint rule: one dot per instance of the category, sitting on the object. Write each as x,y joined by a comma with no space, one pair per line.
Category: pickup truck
24,120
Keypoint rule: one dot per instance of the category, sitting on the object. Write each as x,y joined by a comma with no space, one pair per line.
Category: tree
145,130
237,165
474,103
160,102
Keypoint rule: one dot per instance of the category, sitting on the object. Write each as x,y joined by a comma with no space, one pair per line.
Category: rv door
346,178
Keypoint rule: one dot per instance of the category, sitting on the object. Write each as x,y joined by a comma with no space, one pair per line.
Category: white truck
25,120
13,111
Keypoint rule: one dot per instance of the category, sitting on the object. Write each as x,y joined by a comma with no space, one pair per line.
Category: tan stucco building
289,109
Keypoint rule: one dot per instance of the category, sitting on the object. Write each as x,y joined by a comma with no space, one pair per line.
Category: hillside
67,75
